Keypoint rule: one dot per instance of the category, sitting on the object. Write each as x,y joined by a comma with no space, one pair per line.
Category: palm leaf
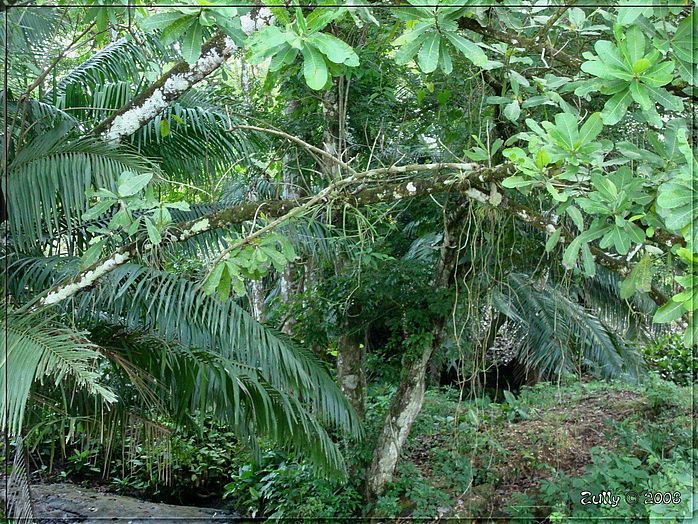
48,179
19,498
558,334
34,347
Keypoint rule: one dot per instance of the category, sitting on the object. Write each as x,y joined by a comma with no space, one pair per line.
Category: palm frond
34,347
172,307
48,179
289,392
120,60
202,381
19,497
631,317
30,33
199,141
559,335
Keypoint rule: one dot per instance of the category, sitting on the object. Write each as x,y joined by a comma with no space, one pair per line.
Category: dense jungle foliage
352,259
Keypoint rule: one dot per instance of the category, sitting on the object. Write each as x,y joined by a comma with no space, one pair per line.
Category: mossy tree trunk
409,397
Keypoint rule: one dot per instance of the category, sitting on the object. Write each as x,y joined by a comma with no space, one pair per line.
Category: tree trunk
350,372
331,139
256,293
288,191
408,400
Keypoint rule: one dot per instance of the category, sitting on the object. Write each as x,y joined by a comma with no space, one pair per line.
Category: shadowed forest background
363,259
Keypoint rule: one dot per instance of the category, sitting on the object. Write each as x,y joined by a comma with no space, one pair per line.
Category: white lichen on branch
134,118
254,21
87,279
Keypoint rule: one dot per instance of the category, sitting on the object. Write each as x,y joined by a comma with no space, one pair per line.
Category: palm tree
144,342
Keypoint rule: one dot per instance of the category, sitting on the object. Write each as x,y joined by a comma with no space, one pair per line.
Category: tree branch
173,84
385,191
42,76
370,189
615,264
541,46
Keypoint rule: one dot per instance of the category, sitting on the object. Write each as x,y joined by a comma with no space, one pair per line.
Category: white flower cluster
86,280
250,25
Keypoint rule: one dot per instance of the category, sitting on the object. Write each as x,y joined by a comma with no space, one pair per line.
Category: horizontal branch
379,191
365,188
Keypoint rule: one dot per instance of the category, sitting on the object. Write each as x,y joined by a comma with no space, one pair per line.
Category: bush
282,487
672,359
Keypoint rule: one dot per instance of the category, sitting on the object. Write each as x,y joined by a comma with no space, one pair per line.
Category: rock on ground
71,503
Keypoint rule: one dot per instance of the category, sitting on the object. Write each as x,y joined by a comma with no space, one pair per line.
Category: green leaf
566,124
620,240
542,158
512,111
553,240
153,233
641,95
615,107
161,20
663,97
683,42
213,279
98,209
92,254
640,279
284,57
191,44
569,257
513,182
599,69
588,261
409,49
659,75
576,217
181,205
321,16
445,61
627,15
471,51
635,42
224,284
164,127
428,57
314,67
590,129
121,219
174,31
335,49
641,66
668,313
130,183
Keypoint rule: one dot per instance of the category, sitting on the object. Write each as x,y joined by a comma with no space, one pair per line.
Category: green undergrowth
528,457
532,456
